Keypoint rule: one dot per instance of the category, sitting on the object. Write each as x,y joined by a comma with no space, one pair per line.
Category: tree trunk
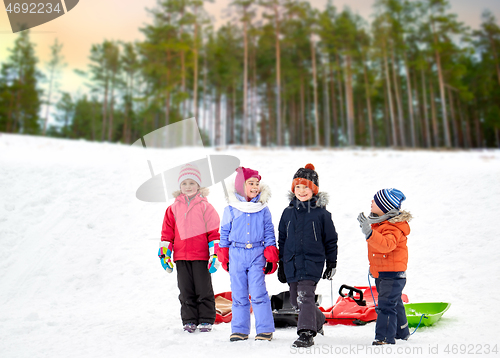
10,125
278,76
255,97
349,101
399,105
245,80
453,120
368,104
434,117
495,55
183,69
326,107
195,60
426,114
233,116
302,128
104,109
387,123
389,99
218,118
205,118
229,121
167,91
293,124
341,97
93,114
477,123
410,101
334,108
446,128
112,108
47,111
315,93
418,114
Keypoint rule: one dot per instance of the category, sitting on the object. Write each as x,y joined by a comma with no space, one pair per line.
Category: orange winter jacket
387,250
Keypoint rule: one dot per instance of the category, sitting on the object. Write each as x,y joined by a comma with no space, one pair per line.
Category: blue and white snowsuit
247,228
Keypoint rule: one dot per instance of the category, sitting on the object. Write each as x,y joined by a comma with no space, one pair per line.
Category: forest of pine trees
278,73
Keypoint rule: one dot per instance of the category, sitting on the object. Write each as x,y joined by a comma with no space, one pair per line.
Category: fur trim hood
265,194
322,198
403,216
203,191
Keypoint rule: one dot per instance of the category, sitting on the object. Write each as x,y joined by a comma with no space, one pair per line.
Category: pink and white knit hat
190,171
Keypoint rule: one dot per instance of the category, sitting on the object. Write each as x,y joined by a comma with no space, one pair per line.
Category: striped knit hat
308,177
189,171
387,199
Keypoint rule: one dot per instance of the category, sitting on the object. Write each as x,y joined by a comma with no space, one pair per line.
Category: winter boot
190,327
264,336
380,343
205,327
305,339
238,337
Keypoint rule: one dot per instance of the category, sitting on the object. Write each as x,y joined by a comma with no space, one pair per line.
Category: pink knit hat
243,174
189,171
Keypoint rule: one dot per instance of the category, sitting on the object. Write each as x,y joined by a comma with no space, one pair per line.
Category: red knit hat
308,177
243,174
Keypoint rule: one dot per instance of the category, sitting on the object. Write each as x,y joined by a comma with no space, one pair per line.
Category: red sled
223,307
223,303
356,308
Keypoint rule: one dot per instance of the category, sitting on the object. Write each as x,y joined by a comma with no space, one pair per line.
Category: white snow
80,277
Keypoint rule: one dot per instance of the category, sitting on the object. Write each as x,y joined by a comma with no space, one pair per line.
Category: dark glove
364,224
281,272
272,257
330,270
270,268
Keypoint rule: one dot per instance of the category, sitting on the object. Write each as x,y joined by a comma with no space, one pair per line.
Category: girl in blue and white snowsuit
247,250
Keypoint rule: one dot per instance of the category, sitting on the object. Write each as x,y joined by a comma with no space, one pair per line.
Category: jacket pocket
287,225
314,268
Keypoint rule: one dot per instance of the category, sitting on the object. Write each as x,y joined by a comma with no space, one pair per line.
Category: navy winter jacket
307,238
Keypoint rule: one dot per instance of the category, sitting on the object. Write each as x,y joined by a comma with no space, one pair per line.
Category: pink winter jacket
190,226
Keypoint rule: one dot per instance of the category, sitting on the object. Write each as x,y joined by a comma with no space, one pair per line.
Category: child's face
252,188
189,187
303,192
375,209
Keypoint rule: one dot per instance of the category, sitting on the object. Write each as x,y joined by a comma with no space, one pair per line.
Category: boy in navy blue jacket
307,238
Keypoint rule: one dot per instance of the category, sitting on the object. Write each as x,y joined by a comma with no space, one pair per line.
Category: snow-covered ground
80,277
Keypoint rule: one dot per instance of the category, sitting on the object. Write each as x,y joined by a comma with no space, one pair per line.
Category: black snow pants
196,292
302,298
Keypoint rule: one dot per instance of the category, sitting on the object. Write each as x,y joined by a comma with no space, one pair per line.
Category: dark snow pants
196,292
302,298
391,317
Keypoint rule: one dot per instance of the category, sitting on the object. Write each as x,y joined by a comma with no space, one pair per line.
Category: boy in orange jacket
386,230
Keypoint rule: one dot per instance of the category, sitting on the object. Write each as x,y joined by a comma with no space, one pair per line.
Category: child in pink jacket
191,231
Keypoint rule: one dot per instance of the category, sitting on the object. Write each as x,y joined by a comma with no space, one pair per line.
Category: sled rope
331,294
373,298
371,291
418,325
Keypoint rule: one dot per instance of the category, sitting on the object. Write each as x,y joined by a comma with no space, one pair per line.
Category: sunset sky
92,21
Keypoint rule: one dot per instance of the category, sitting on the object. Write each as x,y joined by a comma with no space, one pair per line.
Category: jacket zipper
314,229
287,225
